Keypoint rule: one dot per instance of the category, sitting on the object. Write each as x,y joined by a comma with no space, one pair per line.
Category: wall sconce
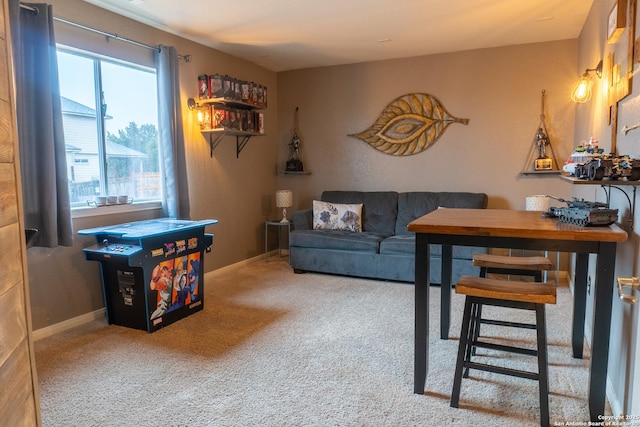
193,105
582,90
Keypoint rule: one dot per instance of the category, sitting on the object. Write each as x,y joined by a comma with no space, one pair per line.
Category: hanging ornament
294,164
541,157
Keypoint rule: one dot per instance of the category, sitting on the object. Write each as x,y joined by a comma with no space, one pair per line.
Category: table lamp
541,202
537,203
284,200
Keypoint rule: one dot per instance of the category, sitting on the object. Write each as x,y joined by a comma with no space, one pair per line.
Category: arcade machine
152,271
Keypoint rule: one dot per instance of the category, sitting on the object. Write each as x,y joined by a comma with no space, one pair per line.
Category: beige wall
498,90
224,187
593,117
238,192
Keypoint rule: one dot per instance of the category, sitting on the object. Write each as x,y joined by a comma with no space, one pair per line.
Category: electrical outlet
589,285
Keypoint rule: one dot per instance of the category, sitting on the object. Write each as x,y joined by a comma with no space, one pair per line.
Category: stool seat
537,293
480,291
512,262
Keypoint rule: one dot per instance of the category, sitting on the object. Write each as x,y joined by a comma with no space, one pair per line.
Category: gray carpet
273,348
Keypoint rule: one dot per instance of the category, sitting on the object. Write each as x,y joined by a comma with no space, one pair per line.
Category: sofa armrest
303,219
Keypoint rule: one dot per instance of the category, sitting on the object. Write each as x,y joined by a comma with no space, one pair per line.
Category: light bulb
582,90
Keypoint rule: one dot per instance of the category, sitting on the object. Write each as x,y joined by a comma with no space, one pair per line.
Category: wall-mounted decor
542,157
581,92
617,21
408,125
626,128
294,164
619,65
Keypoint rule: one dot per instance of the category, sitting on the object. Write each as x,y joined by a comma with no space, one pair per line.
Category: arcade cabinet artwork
175,286
151,271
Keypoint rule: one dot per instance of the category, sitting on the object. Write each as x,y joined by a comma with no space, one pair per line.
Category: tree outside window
114,151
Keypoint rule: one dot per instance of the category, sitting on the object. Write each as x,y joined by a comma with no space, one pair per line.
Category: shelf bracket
214,141
241,141
632,205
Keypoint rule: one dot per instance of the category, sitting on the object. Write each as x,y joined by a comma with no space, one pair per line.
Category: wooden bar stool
532,266
513,265
481,291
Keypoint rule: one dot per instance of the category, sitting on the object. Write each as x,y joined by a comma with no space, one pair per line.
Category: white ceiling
292,34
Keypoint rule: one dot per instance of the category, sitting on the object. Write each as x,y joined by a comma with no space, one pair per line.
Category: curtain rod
186,58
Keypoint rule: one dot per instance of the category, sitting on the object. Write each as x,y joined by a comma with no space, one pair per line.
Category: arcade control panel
106,250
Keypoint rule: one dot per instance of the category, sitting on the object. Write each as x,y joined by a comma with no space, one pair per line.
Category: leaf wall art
408,125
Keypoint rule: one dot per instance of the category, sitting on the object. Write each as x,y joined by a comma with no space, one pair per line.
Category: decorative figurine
542,157
294,164
583,213
543,162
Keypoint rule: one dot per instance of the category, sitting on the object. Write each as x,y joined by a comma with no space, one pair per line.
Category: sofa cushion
337,240
399,245
406,244
337,216
412,205
302,219
379,208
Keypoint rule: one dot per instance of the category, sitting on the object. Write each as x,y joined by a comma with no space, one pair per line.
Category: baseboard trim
617,408
232,267
611,395
65,325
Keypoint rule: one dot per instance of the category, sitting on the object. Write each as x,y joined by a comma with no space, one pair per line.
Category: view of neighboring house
83,165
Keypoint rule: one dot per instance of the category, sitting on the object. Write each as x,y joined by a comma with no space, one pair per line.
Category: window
115,151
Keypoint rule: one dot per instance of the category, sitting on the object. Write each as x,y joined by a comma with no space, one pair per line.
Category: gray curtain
174,165
43,165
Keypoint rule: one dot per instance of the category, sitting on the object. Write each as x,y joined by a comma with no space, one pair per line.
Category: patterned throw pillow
335,216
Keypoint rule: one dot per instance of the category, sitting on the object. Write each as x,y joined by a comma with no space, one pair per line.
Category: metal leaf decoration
409,125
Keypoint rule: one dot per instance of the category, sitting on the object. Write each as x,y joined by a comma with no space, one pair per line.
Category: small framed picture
543,164
617,21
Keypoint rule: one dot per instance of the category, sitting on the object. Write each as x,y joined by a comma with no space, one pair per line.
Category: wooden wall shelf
242,137
610,183
296,173
551,172
607,182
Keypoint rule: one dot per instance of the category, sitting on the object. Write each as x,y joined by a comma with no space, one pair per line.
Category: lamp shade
284,198
582,90
537,203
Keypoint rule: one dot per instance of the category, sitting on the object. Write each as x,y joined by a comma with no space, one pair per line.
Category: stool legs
543,374
477,311
468,341
463,348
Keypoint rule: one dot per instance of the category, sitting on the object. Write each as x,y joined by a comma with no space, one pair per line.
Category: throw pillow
335,216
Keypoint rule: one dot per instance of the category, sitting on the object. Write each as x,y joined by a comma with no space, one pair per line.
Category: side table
282,227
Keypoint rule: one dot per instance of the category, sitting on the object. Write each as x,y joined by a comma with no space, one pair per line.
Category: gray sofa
384,249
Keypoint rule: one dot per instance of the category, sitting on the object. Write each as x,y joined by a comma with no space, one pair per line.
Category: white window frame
90,211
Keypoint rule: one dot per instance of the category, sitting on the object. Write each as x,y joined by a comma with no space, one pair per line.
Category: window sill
90,211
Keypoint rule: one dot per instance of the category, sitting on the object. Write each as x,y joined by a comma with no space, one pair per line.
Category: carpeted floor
273,348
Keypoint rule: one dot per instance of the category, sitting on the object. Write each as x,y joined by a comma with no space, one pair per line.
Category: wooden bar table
497,228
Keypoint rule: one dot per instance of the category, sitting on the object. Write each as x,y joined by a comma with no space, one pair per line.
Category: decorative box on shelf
230,106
